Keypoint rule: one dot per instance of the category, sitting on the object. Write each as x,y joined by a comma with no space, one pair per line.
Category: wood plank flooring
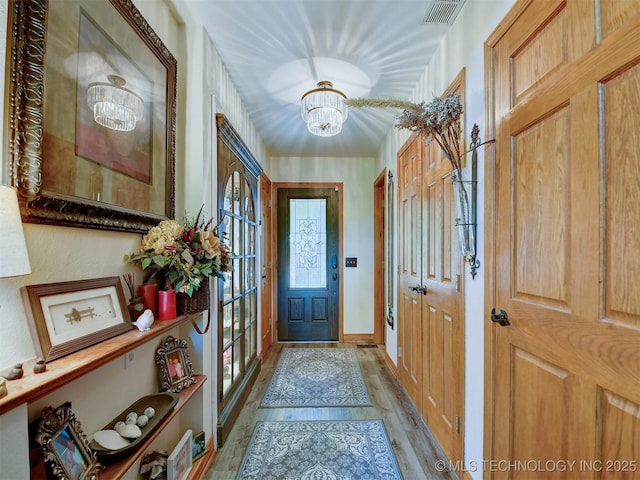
414,447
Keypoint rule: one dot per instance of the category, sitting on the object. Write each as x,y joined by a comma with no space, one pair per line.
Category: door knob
500,317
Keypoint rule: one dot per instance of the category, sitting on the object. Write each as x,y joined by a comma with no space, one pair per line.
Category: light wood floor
414,447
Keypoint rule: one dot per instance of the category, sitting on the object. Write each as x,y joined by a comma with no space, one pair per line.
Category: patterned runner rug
314,450
317,377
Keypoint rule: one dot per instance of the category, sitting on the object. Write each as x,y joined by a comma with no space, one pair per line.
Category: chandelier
114,106
324,110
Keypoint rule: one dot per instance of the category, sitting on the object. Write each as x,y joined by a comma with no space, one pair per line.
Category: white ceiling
276,50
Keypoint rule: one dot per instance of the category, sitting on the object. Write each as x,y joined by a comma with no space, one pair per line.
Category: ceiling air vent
443,11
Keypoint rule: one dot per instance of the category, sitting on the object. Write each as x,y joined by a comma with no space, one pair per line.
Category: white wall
463,46
357,175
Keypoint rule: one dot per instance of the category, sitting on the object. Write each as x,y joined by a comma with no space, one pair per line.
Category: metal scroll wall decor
465,197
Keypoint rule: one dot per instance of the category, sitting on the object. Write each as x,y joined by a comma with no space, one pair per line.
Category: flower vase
466,238
197,302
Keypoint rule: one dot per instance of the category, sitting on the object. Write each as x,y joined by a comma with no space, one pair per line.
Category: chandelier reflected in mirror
114,106
324,110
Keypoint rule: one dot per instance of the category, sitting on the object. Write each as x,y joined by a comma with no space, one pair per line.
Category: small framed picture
65,448
180,461
176,371
199,447
68,316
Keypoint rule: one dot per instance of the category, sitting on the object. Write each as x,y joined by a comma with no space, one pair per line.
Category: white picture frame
180,461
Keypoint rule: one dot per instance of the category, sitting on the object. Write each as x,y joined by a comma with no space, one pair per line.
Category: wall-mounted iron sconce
466,204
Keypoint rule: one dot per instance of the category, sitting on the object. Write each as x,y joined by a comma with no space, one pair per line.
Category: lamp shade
14,259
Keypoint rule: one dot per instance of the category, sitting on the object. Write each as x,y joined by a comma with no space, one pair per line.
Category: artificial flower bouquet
183,255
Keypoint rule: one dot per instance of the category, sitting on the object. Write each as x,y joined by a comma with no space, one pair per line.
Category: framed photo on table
176,370
64,446
93,118
69,316
180,461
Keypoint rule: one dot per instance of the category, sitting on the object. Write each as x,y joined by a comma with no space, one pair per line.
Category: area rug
331,450
317,377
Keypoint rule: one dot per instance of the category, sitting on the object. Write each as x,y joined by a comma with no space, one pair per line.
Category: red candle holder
166,304
149,295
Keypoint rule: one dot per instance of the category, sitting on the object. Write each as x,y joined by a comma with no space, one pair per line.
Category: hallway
415,449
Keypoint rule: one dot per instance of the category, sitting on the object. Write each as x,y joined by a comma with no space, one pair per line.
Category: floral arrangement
183,255
440,118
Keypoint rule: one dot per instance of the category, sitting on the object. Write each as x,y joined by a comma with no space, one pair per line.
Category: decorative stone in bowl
160,403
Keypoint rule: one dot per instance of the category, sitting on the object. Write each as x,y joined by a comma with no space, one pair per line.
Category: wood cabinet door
566,387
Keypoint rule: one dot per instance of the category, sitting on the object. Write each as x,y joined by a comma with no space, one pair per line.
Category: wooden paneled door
430,309
442,308
266,257
410,267
309,270
564,202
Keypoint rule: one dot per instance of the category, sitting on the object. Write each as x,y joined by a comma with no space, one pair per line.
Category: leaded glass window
308,243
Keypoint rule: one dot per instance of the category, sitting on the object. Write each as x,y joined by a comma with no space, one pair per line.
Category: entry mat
317,377
357,449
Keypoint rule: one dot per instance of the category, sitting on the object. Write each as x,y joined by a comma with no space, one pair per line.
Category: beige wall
357,176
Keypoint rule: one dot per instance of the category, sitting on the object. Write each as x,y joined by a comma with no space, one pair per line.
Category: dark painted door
308,264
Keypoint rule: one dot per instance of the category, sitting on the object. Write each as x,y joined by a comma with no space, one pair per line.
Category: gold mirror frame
27,86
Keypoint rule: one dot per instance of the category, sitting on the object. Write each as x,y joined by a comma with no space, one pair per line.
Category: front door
308,264
566,264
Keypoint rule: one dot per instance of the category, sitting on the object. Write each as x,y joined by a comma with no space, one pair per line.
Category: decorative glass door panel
239,291
238,361
308,243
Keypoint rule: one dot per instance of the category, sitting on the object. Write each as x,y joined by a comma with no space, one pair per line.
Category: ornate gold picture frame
176,370
65,448
68,166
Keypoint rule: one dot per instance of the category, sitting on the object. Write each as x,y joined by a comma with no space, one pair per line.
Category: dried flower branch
382,103
440,119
